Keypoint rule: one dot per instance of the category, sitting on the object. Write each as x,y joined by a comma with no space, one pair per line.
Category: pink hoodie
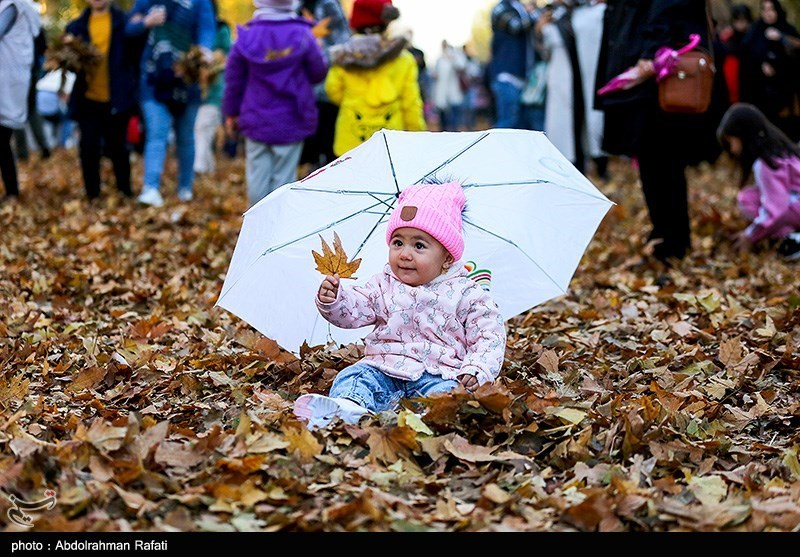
448,327
773,202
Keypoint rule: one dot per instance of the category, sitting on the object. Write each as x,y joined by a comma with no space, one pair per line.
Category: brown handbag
687,89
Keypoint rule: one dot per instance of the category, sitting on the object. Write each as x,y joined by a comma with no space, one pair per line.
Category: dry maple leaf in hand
334,261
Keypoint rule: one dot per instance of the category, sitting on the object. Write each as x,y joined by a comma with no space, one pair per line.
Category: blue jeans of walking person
507,105
374,390
158,120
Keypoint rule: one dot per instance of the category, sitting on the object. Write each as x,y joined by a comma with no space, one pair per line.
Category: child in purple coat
269,93
772,202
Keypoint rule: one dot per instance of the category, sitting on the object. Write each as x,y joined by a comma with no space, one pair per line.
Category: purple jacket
269,78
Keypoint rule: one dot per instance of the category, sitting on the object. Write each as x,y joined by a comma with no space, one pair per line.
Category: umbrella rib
451,159
499,184
391,166
325,227
490,233
525,182
343,192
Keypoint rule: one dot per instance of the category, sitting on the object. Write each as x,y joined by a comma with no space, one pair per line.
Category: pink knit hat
435,209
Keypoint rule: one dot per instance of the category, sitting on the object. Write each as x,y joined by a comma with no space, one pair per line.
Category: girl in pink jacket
435,328
772,202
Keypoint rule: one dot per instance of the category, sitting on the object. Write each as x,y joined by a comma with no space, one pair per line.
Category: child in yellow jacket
373,79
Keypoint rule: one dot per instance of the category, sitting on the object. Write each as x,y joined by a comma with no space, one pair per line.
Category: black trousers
664,145
662,170
8,166
103,133
318,148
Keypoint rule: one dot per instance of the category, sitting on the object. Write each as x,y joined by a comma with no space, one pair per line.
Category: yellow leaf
570,415
790,461
320,29
334,261
412,420
708,489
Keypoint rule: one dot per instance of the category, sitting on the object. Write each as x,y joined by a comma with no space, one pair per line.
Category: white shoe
320,410
185,195
151,196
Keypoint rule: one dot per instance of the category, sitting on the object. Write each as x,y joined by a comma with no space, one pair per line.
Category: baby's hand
470,382
329,289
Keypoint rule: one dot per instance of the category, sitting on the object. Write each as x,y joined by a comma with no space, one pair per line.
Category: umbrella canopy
530,215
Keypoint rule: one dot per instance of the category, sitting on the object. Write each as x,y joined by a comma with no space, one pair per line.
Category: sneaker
789,248
185,195
320,410
151,196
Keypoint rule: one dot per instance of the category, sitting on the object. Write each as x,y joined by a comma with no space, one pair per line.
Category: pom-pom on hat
435,209
371,13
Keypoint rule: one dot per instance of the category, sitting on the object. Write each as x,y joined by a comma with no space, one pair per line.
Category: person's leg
91,126
428,385
664,184
115,136
367,386
665,192
184,143
35,122
205,130
328,112
257,169
601,166
357,390
507,104
285,161
21,144
8,166
157,122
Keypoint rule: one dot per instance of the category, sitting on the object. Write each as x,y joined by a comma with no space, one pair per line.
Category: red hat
370,13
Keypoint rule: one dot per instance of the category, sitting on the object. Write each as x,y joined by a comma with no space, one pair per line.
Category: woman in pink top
435,328
772,202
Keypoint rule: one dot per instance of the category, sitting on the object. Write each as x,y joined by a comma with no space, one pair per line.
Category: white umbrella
529,217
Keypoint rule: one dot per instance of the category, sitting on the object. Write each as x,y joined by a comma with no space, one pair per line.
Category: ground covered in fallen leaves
647,399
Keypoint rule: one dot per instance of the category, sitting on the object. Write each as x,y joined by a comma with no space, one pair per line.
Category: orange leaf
334,261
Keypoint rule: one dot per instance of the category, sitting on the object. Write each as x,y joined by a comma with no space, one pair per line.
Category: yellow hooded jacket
373,80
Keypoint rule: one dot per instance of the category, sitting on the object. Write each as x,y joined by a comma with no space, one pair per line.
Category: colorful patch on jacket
483,277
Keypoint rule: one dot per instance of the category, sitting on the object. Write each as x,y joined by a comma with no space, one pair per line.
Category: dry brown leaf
389,446
13,388
87,379
104,436
334,261
178,455
549,361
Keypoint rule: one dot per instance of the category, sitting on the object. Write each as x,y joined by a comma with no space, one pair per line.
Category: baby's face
416,257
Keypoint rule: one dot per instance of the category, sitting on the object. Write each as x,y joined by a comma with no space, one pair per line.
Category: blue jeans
157,122
376,391
507,105
532,118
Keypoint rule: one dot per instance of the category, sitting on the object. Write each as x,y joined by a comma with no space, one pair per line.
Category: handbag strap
710,23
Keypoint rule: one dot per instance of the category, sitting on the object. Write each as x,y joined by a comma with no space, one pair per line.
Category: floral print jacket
450,326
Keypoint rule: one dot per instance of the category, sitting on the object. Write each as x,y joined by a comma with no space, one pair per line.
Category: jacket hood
366,51
257,40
